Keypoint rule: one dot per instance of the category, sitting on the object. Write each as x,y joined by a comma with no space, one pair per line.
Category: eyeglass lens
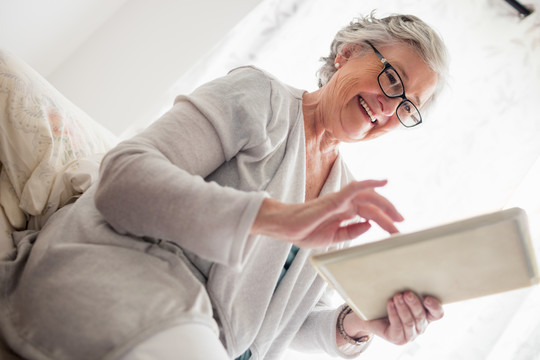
391,83
392,86
408,114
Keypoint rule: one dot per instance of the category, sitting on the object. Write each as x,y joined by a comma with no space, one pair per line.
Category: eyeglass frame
402,95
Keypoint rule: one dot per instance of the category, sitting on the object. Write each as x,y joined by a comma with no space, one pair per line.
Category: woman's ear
349,51
339,61
344,55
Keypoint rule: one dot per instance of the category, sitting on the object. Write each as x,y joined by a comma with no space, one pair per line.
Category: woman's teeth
368,110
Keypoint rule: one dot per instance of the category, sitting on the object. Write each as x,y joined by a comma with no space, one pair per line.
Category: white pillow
42,135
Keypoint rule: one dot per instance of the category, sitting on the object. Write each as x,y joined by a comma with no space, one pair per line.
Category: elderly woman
195,242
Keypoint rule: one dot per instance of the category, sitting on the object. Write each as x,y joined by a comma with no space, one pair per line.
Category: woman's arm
155,184
329,219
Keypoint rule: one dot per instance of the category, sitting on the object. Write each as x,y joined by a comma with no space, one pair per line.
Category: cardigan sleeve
318,333
154,184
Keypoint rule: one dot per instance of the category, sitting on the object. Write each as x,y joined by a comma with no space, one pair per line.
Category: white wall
46,32
116,63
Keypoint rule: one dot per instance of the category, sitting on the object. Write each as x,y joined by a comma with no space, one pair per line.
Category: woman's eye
407,107
391,78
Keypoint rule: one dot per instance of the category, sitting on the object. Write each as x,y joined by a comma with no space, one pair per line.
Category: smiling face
353,107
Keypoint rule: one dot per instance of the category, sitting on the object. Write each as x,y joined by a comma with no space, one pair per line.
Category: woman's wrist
266,222
350,330
277,219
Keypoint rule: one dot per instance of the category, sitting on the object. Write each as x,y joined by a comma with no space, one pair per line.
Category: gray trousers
65,300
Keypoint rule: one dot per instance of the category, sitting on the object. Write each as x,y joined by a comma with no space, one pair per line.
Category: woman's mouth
368,110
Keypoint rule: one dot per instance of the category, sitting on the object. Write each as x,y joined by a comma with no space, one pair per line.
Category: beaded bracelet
354,341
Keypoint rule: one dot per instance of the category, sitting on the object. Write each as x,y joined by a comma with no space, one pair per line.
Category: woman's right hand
329,219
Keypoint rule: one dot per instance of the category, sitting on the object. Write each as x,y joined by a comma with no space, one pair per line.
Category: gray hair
407,29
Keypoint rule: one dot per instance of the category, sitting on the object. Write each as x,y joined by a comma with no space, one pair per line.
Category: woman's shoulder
265,81
251,72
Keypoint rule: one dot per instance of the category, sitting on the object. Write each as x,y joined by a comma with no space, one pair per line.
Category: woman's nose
389,105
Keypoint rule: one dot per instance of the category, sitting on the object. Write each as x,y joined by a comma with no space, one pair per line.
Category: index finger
374,213
358,188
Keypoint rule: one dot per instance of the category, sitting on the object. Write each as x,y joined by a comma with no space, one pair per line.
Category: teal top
286,266
245,356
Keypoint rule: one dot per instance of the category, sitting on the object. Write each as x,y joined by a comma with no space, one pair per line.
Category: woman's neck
317,136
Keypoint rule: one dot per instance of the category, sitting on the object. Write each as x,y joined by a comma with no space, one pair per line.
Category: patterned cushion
44,139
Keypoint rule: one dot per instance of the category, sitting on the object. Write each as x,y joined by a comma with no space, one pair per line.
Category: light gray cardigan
192,184
244,132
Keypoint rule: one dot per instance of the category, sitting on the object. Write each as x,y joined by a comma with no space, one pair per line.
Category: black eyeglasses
392,86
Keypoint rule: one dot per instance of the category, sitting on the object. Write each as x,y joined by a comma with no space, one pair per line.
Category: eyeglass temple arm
379,55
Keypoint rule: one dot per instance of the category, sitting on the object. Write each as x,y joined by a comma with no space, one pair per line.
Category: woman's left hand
408,317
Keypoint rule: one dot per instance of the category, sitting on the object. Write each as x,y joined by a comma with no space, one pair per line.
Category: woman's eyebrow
399,68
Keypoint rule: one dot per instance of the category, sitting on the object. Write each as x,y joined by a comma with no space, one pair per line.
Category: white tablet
466,259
